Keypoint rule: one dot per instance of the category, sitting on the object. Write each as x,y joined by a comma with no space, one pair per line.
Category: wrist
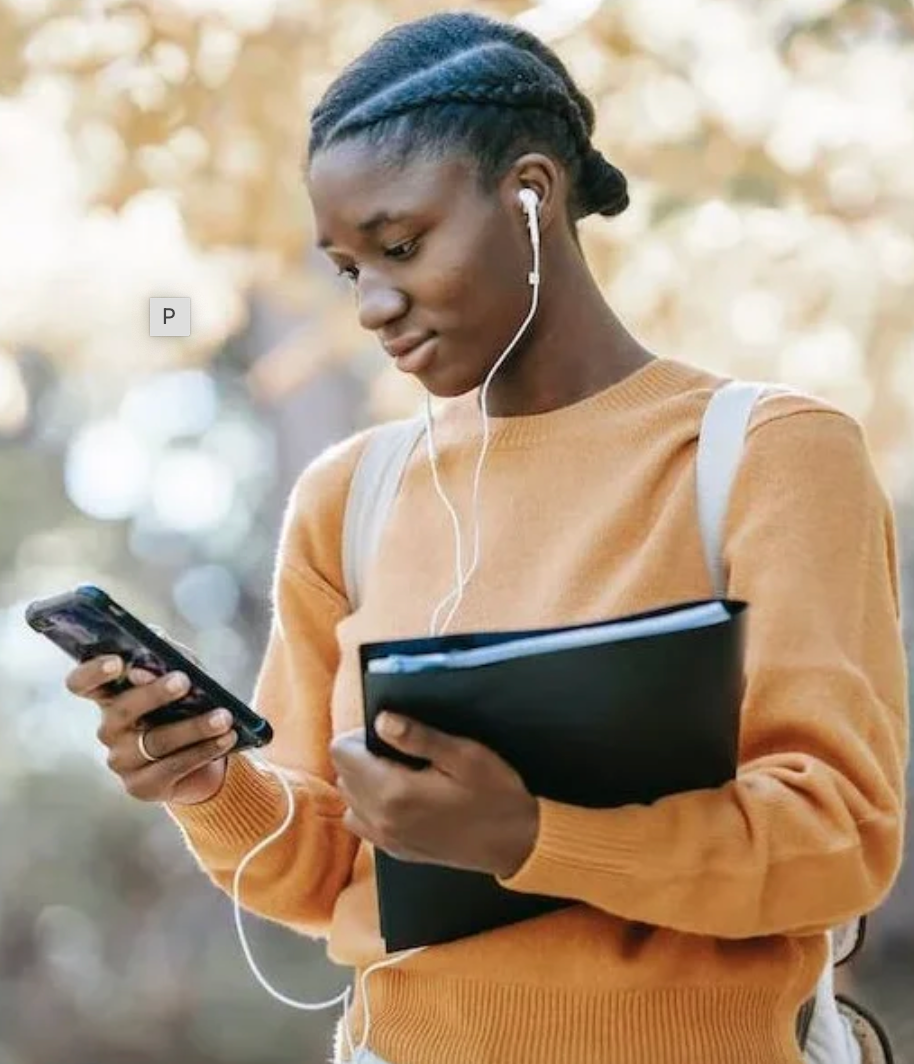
517,852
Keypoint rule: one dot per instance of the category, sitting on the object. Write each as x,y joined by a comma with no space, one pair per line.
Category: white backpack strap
848,939
372,491
720,448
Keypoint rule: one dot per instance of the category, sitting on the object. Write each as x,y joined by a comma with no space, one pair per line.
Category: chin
448,378
446,389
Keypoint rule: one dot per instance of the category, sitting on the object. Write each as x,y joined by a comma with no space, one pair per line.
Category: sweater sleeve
810,832
297,879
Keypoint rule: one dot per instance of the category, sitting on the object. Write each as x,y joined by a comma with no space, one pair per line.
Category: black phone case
87,623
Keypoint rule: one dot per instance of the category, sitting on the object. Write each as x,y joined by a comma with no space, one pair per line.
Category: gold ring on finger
141,746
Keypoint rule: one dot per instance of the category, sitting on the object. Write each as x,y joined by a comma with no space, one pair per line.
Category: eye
398,252
403,251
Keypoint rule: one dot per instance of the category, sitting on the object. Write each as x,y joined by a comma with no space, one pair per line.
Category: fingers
189,754
372,790
377,790
125,754
88,678
351,757
448,753
85,680
123,712
157,781
362,778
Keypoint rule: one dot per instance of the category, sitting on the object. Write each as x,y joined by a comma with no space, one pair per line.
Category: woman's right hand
190,755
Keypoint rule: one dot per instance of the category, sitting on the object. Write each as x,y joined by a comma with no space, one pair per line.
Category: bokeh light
108,471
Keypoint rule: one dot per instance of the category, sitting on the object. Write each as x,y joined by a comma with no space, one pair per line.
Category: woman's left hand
468,809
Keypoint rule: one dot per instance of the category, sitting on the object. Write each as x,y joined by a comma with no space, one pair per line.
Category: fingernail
176,682
111,665
224,742
219,719
391,726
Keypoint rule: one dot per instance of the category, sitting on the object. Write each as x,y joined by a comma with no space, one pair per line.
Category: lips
403,345
419,357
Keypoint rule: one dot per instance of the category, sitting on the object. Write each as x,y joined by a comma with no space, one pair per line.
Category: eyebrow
377,220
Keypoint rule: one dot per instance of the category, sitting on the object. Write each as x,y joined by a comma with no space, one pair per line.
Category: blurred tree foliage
155,147
768,147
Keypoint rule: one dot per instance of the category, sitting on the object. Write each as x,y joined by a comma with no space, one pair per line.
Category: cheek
486,288
483,313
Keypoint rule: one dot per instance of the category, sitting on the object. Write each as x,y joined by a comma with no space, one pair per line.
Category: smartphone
87,623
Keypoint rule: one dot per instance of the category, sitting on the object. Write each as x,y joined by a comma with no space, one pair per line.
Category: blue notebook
597,715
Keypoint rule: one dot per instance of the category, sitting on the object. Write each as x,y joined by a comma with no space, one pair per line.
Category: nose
380,303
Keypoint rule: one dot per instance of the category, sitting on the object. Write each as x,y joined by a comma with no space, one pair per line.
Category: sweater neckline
658,379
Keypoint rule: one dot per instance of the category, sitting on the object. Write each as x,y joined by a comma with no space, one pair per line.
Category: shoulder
311,539
802,448
795,424
321,487
805,411
792,410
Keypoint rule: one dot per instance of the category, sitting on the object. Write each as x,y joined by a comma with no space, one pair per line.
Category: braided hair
461,81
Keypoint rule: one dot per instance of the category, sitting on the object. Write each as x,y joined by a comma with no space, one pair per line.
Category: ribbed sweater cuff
572,840
249,804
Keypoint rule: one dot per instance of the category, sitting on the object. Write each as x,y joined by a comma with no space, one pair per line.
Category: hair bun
603,188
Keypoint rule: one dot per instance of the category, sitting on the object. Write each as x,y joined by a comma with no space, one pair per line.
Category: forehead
354,182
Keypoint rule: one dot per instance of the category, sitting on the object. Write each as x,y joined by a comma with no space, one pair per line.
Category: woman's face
439,266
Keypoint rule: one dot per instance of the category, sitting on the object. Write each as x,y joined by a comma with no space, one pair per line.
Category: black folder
601,726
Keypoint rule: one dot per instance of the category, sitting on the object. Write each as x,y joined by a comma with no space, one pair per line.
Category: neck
575,347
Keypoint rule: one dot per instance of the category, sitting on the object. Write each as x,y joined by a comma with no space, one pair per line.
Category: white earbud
530,201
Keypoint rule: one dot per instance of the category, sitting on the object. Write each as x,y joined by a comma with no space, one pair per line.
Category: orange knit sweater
698,932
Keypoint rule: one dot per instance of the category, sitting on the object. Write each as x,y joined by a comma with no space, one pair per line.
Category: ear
547,179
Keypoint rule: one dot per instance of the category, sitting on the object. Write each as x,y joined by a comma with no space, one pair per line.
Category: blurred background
153,148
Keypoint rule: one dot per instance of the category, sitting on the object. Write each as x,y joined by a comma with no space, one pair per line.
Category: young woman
699,928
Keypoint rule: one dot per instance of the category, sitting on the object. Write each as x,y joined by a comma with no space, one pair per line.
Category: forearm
785,849
297,879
